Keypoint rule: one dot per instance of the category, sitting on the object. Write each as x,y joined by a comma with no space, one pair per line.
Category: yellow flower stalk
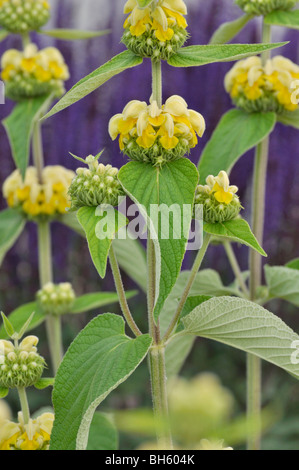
157,135
31,72
22,16
218,198
32,436
156,31
35,199
257,88
263,7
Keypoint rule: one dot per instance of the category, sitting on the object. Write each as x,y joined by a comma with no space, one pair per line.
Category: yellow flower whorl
32,73
156,31
257,88
21,16
156,135
46,199
32,436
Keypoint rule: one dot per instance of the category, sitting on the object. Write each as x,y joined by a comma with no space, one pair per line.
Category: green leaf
168,188
131,257
227,31
73,34
95,300
87,85
7,325
246,326
19,127
294,264
3,392
21,315
103,433
289,19
283,283
194,56
12,224
44,383
98,361
25,326
289,118
93,221
237,230
236,133
3,34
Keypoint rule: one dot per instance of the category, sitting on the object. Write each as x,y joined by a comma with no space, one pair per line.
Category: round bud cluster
32,73
95,185
157,31
56,299
218,199
20,366
21,16
263,7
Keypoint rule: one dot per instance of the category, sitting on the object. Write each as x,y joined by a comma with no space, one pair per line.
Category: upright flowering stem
157,352
24,404
53,323
254,369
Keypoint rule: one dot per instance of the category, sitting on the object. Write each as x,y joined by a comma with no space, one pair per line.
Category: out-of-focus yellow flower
255,87
156,31
36,199
5,412
32,436
157,135
205,444
32,72
21,16
263,7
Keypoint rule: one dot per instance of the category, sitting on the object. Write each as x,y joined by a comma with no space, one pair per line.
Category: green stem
24,404
235,267
151,289
159,396
157,81
254,366
122,294
195,268
26,39
53,323
37,150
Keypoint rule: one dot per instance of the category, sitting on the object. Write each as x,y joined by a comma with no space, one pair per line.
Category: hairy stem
24,404
235,267
159,396
195,268
254,366
122,294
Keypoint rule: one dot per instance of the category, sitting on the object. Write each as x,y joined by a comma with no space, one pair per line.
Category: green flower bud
219,200
95,185
56,299
22,16
263,7
20,366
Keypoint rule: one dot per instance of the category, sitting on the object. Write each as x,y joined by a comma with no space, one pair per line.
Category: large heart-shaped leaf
236,133
283,283
159,192
290,118
194,56
98,361
103,433
246,326
95,300
94,80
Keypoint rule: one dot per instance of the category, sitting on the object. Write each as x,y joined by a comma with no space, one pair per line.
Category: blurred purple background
82,129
